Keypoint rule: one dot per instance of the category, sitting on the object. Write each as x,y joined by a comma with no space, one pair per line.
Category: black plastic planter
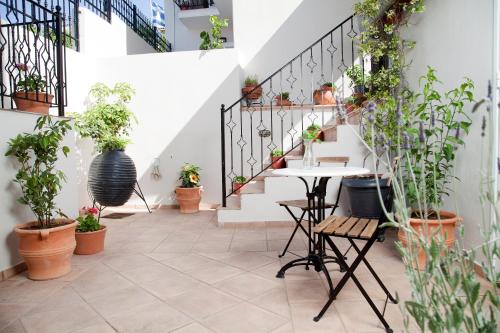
112,178
363,196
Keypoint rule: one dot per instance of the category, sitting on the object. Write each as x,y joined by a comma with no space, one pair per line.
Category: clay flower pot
90,242
278,162
251,94
324,96
47,252
237,187
282,102
429,228
189,199
32,102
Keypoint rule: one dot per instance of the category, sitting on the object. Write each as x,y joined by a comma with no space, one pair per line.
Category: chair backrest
333,159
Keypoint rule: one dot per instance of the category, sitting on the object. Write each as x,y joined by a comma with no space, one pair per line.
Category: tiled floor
168,272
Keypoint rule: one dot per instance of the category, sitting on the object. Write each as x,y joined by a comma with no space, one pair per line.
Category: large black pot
112,178
363,195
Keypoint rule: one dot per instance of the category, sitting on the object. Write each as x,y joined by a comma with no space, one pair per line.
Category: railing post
108,9
155,37
134,10
59,61
76,11
223,153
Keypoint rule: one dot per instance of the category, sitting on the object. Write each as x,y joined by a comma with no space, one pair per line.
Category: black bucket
363,195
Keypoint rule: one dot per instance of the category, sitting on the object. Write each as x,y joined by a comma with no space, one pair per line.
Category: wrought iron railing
33,56
255,125
193,4
140,24
99,7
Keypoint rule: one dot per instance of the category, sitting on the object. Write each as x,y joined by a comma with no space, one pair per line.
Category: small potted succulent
283,99
358,79
251,91
278,162
189,193
47,243
350,104
184,5
238,183
29,95
90,233
324,95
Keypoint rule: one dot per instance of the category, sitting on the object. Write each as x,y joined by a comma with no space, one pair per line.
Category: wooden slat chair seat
302,204
343,226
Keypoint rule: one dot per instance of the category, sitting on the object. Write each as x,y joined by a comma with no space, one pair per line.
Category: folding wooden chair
302,204
354,228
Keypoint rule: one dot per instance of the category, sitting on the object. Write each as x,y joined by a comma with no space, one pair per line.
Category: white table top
338,171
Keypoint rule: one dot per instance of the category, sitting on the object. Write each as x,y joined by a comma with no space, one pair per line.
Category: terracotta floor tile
304,312
193,328
188,262
247,285
215,272
249,260
171,285
275,301
248,245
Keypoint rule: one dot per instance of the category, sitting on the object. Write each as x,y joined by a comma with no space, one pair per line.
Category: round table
316,208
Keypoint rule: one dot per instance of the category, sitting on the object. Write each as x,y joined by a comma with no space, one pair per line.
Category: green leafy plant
239,180
438,123
277,153
328,84
51,34
190,175
284,95
37,176
351,100
108,122
88,222
311,133
251,80
358,78
215,41
29,82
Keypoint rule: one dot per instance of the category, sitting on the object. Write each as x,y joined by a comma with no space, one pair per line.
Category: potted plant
29,95
90,233
112,174
238,183
46,244
324,95
350,104
278,162
189,193
315,133
184,5
358,79
282,99
437,123
251,91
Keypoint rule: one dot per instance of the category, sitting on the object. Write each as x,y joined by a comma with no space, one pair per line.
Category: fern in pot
46,244
108,121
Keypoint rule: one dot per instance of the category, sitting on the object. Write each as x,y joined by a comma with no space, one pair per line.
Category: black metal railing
33,56
259,122
140,24
99,7
193,4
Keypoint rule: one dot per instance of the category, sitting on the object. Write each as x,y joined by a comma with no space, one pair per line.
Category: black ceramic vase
112,178
363,195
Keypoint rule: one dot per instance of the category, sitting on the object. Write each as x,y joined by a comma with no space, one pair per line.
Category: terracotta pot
237,187
47,252
282,102
319,136
30,102
278,162
250,93
429,228
350,107
90,242
324,96
189,199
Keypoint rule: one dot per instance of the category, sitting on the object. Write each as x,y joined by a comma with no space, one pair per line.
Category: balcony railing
194,4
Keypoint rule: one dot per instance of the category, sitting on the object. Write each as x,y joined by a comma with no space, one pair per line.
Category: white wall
11,213
455,37
178,108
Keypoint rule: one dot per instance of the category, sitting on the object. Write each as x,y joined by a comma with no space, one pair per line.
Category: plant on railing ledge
215,42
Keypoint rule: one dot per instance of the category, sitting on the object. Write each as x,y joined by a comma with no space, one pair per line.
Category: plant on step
251,80
190,175
108,120
356,75
38,177
88,221
284,95
215,41
28,80
239,180
277,153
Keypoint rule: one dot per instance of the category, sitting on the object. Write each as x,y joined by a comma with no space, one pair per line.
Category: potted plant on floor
189,193
90,233
358,79
278,162
282,99
438,121
251,91
324,95
238,183
29,95
108,121
46,244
